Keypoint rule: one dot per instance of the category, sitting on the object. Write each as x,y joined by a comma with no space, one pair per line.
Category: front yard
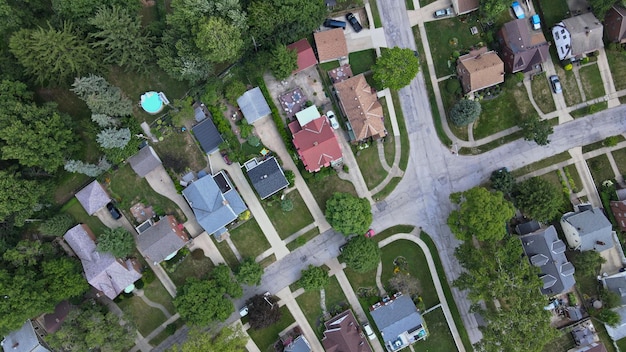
617,62
310,304
362,61
287,223
369,163
265,338
323,188
194,264
600,169
591,81
145,317
542,93
249,239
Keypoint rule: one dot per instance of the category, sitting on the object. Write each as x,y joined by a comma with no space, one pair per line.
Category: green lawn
227,253
555,159
79,214
417,267
267,261
542,93
600,144
590,109
439,336
265,338
389,187
575,178
449,99
324,188
358,280
620,159
327,66
404,136
302,239
386,233
389,144
600,169
362,61
145,317
180,152
553,11
617,62
571,93
369,163
309,302
165,333
592,82
128,188
287,223
375,14
410,5
194,265
155,292
497,114
441,37
621,344
249,239
425,2
493,144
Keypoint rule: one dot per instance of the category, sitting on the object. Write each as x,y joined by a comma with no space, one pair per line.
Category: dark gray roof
93,197
253,105
23,340
616,283
199,113
586,33
583,336
545,250
208,136
267,177
144,161
396,317
160,240
300,344
527,227
593,227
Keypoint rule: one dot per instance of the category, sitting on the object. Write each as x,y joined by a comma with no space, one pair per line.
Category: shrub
465,112
519,76
611,141
57,225
286,205
453,86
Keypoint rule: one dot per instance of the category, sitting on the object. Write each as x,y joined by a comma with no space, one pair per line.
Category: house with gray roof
546,251
144,161
93,197
253,105
267,177
208,136
584,333
399,322
618,332
215,202
616,283
103,271
587,230
299,344
577,36
23,340
162,240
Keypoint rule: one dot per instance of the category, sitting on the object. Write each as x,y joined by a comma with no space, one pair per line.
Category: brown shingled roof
331,44
480,69
360,104
343,334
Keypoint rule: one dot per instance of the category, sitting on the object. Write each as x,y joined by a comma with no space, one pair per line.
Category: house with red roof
306,56
316,144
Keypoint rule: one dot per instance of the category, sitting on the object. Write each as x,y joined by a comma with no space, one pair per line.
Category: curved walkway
140,293
414,237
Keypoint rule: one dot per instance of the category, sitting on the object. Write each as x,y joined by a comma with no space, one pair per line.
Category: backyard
79,214
362,61
542,93
310,302
180,152
265,338
249,239
287,223
553,11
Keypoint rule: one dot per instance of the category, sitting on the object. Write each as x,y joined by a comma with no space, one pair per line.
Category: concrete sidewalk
288,300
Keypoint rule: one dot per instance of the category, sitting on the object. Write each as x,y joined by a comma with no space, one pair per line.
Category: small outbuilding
253,105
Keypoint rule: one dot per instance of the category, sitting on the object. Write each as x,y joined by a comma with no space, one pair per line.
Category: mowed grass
303,239
404,136
265,338
155,292
563,342
79,214
571,93
227,253
591,81
145,317
362,61
194,265
310,304
620,159
369,163
555,159
323,189
449,99
439,336
389,145
542,93
554,11
287,223
498,115
600,169
249,239
386,233
440,37
617,62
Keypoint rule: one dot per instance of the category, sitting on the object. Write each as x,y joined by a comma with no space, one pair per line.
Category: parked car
113,211
354,22
556,84
368,331
225,157
370,233
333,119
443,13
536,22
330,23
243,311
517,9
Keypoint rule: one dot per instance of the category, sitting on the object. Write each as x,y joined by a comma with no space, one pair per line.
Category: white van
368,331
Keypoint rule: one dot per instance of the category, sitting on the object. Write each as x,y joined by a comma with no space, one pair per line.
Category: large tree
229,339
600,7
219,40
284,61
314,278
57,225
80,11
361,254
395,68
464,112
27,253
52,55
263,311
249,272
224,278
19,198
481,213
202,302
537,130
539,199
118,242
102,97
502,180
348,214
491,9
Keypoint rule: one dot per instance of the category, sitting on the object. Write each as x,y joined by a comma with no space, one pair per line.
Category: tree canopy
284,61
263,311
361,254
464,112
539,199
19,198
314,278
249,272
537,130
491,9
202,302
600,7
481,213
395,68
502,180
118,242
348,214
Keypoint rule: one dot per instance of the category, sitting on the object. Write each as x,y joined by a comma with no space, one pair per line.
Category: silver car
556,84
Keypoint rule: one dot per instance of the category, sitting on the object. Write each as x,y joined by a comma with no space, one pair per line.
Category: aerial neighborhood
308,176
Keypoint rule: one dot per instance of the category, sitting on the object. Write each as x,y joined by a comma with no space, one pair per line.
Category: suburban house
618,332
307,115
359,103
618,207
479,69
253,105
577,36
616,283
331,45
306,56
594,347
215,202
299,344
51,322
24,340
615,24
588,229
316,144
207,135
584,333
93,197
343,333
522,49
103,271
462,7
399,322
144,161
266,176
546,251
162,240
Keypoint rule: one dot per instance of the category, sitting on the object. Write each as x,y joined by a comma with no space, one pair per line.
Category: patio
141,213
292,102
340,73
